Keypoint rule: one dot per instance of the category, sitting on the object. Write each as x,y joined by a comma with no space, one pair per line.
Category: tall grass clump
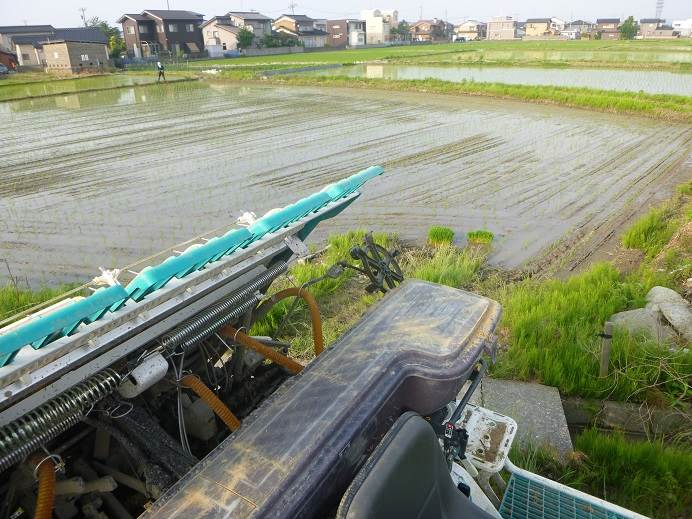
651,232
438,235
480,237
646,477
552,329
448,265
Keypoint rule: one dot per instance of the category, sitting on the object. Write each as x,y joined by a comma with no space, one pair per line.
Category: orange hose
317,337
270,353
45,500
206,394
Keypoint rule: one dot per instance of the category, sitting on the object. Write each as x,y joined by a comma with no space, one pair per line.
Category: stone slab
536,408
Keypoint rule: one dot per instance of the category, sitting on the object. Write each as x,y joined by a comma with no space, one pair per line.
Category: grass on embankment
642,54
663,106
647,477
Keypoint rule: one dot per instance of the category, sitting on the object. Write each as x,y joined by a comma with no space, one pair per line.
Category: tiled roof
608,20
538,20
21,29
174,15
249,15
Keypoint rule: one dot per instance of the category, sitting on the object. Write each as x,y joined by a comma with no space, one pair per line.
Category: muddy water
652,82
105,178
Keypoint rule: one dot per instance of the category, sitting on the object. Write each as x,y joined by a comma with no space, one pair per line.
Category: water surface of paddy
652,82
105,178
66,86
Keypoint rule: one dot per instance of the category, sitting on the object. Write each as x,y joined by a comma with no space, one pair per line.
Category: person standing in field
162,74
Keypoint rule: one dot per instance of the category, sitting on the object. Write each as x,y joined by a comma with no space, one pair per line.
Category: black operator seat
407,477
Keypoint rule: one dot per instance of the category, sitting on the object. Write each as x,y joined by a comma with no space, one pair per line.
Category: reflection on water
68,86
112,97
653,82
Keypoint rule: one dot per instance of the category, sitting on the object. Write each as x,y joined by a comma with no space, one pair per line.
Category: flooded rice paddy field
651,82
66,86
105,178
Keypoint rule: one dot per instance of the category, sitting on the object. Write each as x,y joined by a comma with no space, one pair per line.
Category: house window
208,34
143,29
172,27
216,34
159,27
190,27
223,46
55,55
130,29
25,56
84,57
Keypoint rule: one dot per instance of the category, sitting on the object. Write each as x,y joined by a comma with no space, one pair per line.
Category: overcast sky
65,13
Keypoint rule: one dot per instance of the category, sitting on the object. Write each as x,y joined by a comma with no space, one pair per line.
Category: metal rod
607,336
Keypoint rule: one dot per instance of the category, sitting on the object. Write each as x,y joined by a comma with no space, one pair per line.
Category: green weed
651,232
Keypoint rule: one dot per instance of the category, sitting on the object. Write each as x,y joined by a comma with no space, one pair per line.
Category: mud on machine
153,398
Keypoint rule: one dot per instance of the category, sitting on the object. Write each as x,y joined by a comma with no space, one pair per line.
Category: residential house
654,28
75,56
154,31
256,22
7,33
434,30
647,26
26,42
580,28
379,24
503,28
302,28
343,33
608,28
470,30
220,35
683,27
539,28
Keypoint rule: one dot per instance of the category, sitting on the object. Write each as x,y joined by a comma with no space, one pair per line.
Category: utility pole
292,6
168,5
82,10
420,12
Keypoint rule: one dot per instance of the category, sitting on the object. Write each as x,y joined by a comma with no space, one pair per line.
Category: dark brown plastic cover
296,454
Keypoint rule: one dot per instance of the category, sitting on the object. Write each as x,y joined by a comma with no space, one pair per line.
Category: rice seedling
438,235
651,232
480,237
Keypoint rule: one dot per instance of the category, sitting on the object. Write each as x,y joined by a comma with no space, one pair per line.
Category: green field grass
664,55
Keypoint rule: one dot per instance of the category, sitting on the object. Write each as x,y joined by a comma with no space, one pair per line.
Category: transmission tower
659,9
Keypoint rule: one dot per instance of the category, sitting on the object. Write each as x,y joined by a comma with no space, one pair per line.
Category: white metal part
478,498
491,436
149,372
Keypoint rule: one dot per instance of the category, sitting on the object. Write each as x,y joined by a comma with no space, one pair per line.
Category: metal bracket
297,246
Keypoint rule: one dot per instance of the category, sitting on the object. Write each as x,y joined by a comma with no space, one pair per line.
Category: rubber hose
267,352
206,394
316,319
45,500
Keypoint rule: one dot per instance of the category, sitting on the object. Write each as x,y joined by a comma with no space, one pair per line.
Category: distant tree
116,44
245,37
401,31
628,29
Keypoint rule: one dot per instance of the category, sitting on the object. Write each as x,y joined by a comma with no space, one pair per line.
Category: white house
378,25
683,27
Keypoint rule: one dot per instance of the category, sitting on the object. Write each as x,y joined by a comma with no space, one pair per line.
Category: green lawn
670,55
